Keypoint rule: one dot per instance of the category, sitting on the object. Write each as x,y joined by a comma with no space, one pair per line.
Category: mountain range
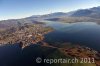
91,12
81,15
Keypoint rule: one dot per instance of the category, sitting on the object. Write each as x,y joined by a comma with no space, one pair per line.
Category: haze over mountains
81,15
92,12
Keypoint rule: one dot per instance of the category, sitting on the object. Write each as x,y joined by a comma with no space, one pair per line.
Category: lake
83,33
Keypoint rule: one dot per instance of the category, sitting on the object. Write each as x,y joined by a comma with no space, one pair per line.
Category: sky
15,9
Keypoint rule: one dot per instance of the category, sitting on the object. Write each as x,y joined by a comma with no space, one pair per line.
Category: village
30,34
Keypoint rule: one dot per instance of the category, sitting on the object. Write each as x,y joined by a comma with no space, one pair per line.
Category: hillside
81,15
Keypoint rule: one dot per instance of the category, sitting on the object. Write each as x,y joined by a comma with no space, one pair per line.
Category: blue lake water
83,33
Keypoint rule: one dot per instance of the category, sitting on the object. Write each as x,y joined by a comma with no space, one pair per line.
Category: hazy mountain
57,14
92,14
78,13
51,15
96,9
